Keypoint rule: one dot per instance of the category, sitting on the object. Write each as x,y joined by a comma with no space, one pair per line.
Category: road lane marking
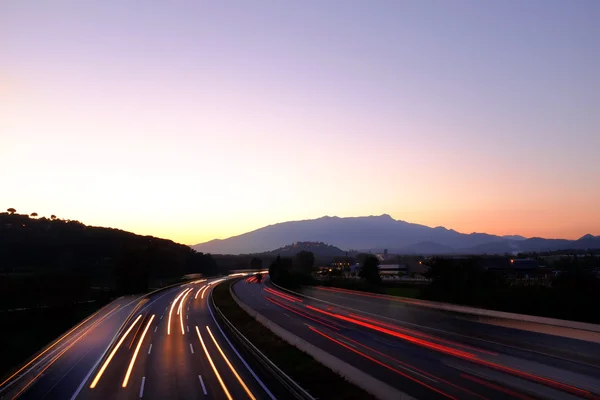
155,329
112,353
210,361
150,348
55,343
135,353
142,387
188,309
286,315
262,385
202,383
186,317
188,328
63,351
248,392
161,316
202,294
180,311
171,310
191,348
87,377
196,296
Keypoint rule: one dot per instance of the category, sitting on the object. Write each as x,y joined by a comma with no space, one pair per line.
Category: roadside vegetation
55,272
314,377
568,289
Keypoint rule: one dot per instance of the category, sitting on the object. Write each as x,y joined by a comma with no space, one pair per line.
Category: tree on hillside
11,210
305,261
34,214
53,217
279,271
256,263
369,270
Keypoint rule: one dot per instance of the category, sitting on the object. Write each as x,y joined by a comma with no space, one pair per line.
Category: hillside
317,248
52,261
375,233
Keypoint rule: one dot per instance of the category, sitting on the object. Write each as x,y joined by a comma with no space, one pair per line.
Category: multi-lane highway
170,348
431,354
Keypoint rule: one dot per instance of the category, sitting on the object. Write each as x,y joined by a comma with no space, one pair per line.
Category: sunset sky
195,120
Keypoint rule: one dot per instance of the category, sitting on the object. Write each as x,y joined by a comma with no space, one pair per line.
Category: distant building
393,269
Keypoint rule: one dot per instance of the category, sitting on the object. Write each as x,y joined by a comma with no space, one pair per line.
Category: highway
429,354
169,348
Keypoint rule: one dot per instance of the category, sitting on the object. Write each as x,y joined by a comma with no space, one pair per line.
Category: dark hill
319,249
45,261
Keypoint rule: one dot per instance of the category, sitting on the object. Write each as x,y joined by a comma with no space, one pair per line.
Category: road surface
430,354
170,348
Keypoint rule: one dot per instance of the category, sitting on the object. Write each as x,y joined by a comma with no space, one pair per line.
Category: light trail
411,367
63,352
302,314
112,353
380,363
425,343
282,295
202,294
135,353
424,335
171,311
54,344
465,355
180,312
213,366
496,387
196,296
248,392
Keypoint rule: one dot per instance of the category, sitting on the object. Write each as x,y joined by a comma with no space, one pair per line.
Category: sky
194,120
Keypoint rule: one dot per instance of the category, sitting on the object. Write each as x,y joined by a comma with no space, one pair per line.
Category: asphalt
161,364
430,354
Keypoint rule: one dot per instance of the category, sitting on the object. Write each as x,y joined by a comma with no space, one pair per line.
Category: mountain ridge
378,232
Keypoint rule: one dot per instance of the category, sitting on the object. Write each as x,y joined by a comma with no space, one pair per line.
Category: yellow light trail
181,311
202,294
135,353
213,366
196,296
63,352
112,353
171,311
248,392
54,344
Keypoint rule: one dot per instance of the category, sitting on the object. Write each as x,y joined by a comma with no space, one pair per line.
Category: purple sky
194,120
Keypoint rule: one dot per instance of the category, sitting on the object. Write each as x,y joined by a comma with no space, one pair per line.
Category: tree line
50,261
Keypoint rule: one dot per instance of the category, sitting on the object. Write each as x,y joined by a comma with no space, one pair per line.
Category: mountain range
376,233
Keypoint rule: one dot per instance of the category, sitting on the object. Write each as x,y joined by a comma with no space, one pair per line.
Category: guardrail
480,312
288,383
352,374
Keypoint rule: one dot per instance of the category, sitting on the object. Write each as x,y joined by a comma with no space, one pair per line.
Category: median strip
318,380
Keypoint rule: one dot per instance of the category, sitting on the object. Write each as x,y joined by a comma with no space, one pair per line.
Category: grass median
318,380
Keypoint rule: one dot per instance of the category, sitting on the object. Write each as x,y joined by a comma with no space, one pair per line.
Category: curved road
430,354
170,348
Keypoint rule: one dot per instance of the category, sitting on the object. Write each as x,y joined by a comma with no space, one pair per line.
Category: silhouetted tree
34,214
256,263
369,270
279,271
53,217
305,261
461,281
11,210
